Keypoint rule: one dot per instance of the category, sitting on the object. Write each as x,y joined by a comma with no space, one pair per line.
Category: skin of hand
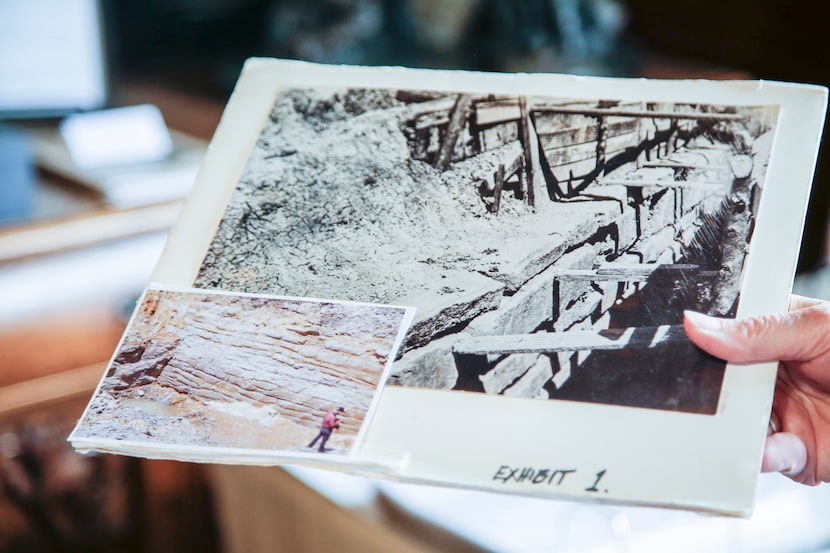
800,341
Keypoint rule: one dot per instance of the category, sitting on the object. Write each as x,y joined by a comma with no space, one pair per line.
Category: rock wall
645,225
296,358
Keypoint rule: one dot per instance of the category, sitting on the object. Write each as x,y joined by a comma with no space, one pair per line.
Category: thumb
784,452
787,336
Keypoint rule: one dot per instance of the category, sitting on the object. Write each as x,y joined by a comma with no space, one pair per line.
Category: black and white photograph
229,371
549,244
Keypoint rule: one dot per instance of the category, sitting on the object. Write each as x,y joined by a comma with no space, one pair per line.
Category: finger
784,452
802,302
797,335
733,340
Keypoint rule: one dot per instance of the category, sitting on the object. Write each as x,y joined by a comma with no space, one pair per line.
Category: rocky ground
338,209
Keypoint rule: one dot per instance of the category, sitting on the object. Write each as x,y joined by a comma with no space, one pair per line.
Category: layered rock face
265,359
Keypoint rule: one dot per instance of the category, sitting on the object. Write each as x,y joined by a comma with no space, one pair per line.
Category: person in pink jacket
331,422
798,442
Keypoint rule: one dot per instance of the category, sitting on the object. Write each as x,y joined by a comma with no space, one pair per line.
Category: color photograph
217,370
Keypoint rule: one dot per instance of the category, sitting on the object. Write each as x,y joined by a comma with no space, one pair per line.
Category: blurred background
200,45
78,242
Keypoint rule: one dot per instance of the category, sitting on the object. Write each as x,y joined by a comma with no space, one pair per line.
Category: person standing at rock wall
331,422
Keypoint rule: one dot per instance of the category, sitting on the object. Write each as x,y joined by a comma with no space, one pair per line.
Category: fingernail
784,453
703,322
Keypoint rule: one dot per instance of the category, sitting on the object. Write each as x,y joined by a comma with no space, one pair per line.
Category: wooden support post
529,143
557,300
498,180
458,118
602,140
678,205
523,189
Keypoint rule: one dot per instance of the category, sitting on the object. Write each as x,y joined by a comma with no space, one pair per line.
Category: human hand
799,443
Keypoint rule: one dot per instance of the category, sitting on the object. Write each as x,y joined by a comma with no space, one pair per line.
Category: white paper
337,182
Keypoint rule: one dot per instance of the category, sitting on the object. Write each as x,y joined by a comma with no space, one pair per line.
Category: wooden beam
554,136
429,120
514,167
674,165
612,112
438,105
579,169
572,340
493,113
630,272
664,184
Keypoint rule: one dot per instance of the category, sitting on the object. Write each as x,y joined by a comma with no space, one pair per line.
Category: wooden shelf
87,229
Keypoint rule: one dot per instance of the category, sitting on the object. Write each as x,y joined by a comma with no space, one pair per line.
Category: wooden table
52,356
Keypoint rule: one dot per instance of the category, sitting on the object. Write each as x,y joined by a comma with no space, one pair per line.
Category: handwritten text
547,477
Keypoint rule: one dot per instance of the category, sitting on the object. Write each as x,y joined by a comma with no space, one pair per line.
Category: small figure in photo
331,422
